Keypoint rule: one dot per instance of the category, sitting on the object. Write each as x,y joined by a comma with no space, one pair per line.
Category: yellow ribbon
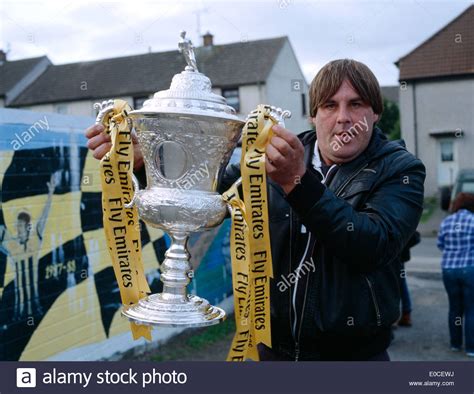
121,225
250,241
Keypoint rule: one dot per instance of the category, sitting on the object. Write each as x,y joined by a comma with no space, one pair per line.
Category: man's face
344,125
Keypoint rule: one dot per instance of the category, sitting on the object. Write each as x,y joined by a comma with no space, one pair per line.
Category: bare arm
44,215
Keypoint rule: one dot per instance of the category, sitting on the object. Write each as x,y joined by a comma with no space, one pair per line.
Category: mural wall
57,287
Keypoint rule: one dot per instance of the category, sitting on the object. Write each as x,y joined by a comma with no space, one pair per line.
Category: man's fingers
134,137
274,156
101,150
94,130
287,135
98,140
269,167
281,145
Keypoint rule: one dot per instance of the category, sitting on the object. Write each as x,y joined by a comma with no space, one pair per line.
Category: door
447,162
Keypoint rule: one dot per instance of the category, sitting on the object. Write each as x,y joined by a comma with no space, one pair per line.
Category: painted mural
57,287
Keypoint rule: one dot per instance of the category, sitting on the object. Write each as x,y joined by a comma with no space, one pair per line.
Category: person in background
456,240
405,319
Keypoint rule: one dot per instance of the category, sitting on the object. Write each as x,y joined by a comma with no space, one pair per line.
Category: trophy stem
174,307
175,269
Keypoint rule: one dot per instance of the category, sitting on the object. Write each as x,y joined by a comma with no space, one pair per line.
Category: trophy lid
190,92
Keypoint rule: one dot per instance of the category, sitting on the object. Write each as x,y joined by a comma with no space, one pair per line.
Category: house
245,73
437,101
16,76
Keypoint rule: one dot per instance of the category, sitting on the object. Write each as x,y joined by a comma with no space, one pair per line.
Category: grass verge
194,344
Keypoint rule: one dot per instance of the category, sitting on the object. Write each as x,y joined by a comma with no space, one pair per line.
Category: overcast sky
375,32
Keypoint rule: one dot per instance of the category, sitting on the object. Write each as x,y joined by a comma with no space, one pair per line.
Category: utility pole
198,24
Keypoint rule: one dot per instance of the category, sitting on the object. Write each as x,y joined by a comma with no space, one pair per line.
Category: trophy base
155,310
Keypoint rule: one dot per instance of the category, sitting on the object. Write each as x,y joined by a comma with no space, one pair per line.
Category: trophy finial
186,47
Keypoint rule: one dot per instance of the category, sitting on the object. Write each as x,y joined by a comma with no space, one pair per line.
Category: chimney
3,56
208,40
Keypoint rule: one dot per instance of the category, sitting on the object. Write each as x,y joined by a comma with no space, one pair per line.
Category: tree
390,121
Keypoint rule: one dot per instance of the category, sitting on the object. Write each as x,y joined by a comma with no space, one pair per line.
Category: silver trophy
186,135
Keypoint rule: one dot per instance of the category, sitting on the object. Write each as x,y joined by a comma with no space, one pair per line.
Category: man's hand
285,159
99,143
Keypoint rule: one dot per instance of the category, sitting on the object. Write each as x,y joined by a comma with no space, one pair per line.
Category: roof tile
448,52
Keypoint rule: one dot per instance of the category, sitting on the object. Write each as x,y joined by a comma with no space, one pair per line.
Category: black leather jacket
361,221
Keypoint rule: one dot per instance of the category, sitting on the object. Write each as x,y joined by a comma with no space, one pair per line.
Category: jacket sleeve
376,233
228,177
140,174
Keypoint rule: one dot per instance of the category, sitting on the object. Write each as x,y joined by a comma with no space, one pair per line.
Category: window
61,109
138,102
303,104
447,151
468,187
232,97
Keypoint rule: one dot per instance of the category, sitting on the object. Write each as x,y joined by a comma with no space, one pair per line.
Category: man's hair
463,201
328,80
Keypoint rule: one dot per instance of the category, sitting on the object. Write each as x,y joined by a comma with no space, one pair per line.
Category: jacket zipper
297,340
374,300
293,298
341,188
290,268
297,343
372,291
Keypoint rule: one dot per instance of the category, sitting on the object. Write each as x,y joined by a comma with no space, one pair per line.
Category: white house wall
284,76
250,97
76,108
440,106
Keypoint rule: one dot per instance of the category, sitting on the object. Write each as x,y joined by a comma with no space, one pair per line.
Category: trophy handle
136,188
279,115
276,113
105,109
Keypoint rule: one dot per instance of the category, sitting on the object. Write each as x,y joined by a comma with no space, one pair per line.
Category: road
428,338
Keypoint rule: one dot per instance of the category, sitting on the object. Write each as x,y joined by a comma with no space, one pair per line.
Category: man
343,201
23,251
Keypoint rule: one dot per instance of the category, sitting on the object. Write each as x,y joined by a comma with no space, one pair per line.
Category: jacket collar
378,146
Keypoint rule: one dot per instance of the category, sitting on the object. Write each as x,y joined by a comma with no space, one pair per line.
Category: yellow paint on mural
150,261
119,325
73,320
99,258
94,242
5,161
64,209
90,182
